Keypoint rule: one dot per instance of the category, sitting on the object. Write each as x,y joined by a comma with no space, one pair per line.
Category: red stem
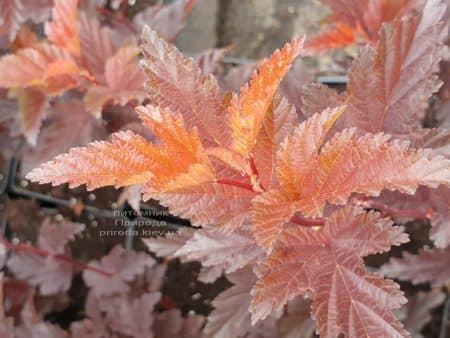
307,222
42,253
235,183
255,172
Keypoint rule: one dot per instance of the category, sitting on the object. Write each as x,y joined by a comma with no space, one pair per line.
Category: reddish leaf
131,317
68,125
32,325
209,60
237,77
124,80
416,314
37,10
166,247
312,174
176,83
327,264
95,45
171,324
49,274
317,97
428,266
11,16
432,203
295,82
389,86
168,21
63,29
230,317
437,139
297,322
229,251
125,265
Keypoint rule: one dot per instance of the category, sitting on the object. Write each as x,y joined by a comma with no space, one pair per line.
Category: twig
20,247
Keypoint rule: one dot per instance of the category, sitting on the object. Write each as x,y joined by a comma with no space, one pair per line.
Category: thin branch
20,247
307,222
234,183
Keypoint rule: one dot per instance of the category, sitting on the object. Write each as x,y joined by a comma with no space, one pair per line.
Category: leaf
337,36
33,327
389,86
68,125
197,195
48,273
437,139
295,82
15,12
230,317
11,17
177,84
54,238
433,203
131,317
44,66
279,122
327,264
362,18
124,80
312,173
297,322
247,110
33,106
37,10
168,21
170,324
95,44
214,248
171,243
236,77
318,97
429,265
100,164
125,265
416,314
63,29
210,59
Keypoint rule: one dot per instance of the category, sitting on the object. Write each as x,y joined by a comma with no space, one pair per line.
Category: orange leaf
33,105
312,173
248,109
44,66
176,83
129,159
126,160
337,36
